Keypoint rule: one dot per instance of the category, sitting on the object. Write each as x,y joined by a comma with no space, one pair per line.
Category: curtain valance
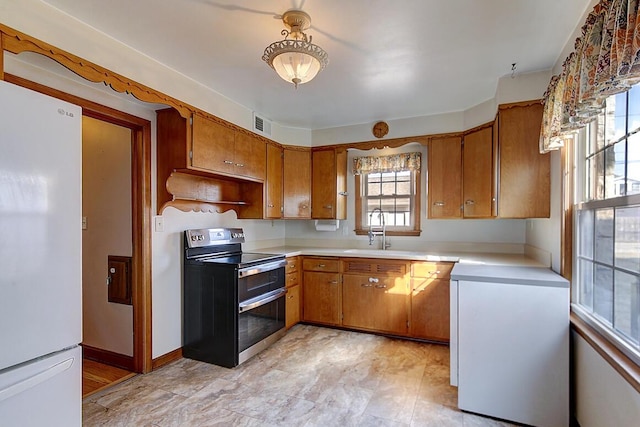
393,163
606,61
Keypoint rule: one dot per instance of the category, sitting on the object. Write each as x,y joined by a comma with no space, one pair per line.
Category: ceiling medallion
295,58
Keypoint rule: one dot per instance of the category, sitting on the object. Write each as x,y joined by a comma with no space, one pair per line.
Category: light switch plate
159,223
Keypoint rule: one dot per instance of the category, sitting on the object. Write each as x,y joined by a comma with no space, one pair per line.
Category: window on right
607,222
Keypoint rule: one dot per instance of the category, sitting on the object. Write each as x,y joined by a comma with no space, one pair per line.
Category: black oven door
261,310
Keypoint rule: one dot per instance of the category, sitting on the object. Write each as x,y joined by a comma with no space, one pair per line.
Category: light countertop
467,258
510,274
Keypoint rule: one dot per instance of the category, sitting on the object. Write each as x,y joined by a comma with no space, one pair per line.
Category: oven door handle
261,300
262,268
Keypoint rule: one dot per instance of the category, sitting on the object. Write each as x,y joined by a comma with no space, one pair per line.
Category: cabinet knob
381,286
469,202
438,203
333,282
269,205
227,162
328,206
366,285
435,272
290,297
240,165
373,280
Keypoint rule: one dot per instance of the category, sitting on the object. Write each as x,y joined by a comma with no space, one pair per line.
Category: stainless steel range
234,301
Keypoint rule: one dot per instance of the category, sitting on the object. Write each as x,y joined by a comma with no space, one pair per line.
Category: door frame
141,210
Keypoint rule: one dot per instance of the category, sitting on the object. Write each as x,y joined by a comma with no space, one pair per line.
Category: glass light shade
296,67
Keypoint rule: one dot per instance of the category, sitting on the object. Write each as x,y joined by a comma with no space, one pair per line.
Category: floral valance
393,163
606,61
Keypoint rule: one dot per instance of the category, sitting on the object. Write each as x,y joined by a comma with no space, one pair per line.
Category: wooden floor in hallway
97,376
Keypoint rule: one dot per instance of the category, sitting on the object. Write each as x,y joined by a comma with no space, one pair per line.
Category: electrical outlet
159,223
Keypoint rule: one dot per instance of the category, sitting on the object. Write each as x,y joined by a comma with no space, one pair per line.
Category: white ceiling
387,59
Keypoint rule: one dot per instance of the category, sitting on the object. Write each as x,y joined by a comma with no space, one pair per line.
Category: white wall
604,398
545,233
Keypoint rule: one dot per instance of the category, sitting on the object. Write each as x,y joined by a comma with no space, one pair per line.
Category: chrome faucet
381,231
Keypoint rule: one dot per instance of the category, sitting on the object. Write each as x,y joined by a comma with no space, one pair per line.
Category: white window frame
582,205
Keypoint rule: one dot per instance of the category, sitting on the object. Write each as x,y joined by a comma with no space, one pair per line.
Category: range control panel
213,236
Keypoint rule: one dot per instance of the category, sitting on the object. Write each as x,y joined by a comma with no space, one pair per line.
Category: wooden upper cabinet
524,183
219,148
297,183
445,177
250,155
212,146
477,174
197,166
273,185
329,184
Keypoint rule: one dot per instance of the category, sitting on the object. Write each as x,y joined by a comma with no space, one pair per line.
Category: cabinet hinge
191,121
191,154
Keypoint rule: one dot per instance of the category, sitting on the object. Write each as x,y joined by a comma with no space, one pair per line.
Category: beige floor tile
313,376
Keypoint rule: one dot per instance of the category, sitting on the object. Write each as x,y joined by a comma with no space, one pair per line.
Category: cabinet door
445,177
292,306
328,184
477,173
322,297
323,184
250,156
430,309
375,303
357,302
297,183
212,146
273,208
524,172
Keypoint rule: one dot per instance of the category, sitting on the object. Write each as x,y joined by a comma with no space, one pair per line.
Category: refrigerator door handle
36,379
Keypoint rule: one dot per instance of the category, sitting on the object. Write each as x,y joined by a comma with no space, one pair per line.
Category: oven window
257,324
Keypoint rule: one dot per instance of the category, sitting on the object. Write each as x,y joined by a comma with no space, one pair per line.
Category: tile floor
311,377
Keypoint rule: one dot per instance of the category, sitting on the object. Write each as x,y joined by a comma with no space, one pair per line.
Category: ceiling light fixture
295,58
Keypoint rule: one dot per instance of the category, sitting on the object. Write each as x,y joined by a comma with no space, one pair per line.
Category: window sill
626,367
388,233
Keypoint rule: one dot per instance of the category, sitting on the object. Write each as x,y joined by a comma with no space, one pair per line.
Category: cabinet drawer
440,270
292,279
292,264
374,266
321,264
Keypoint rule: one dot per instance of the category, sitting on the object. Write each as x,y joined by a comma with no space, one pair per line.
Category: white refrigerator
40,259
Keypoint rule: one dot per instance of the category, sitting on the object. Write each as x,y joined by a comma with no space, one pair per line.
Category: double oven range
233,301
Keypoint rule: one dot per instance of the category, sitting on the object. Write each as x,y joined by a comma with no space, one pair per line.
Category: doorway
107,243
140,207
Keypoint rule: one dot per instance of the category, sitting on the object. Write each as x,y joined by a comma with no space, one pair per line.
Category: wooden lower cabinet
322,295
393,297
292,306
430,301
375,303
